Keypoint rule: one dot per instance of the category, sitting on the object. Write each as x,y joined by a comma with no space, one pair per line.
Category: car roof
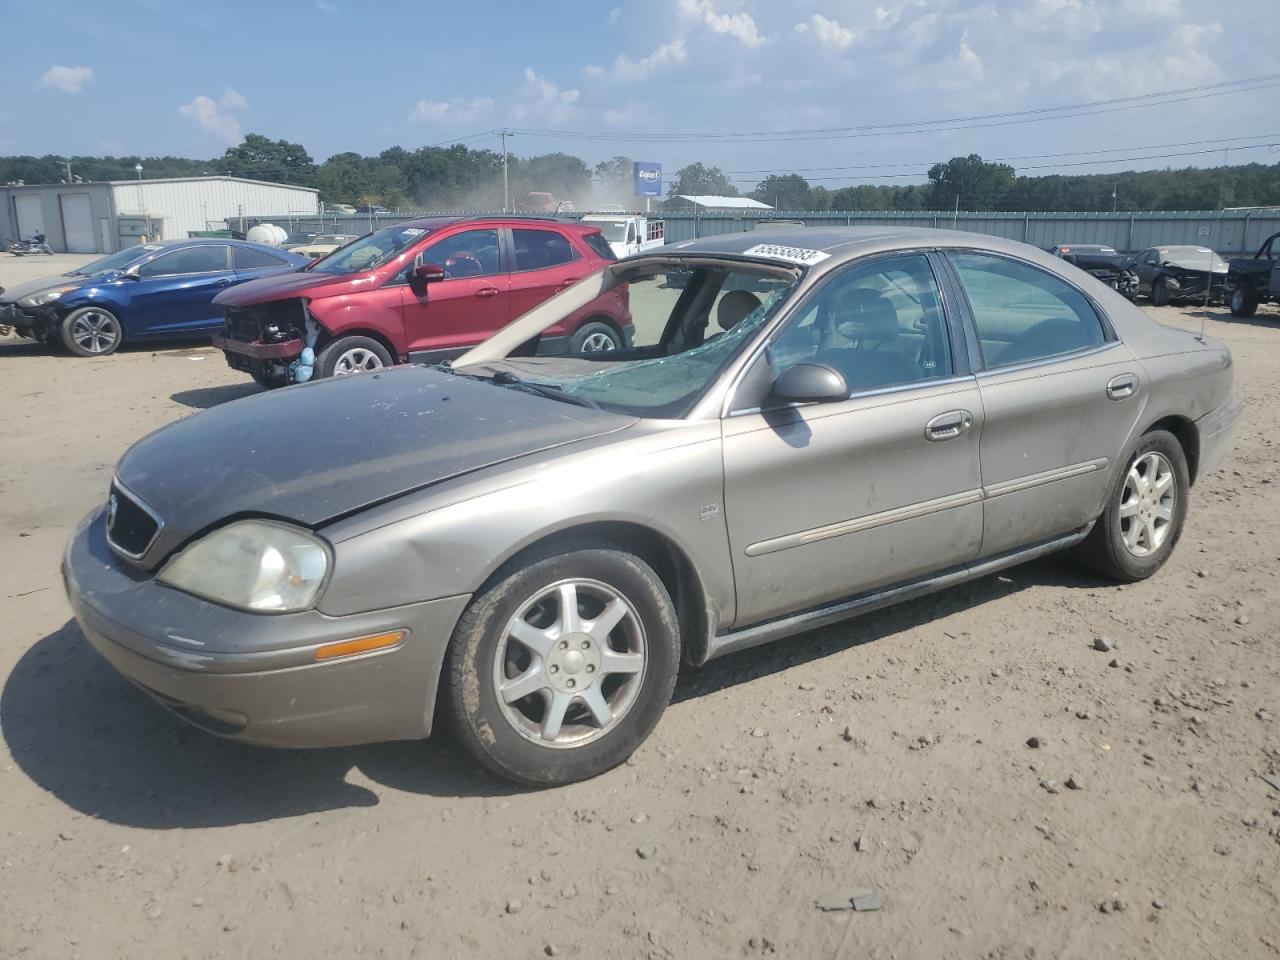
844,243
439,223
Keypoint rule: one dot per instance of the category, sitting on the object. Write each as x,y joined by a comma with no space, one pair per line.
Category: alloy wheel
598,342
356,360
570,663
1147,504
95,332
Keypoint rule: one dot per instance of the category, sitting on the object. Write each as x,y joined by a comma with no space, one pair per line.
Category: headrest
734,307
862,314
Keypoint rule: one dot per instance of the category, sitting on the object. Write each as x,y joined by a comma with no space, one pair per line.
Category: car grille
243,325
132,526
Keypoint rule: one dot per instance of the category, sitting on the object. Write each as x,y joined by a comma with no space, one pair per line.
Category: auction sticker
801,255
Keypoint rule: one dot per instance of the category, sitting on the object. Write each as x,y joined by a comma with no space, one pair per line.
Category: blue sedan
152,291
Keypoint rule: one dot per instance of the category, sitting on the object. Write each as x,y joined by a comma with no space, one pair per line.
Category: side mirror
811,383
131,274
426,273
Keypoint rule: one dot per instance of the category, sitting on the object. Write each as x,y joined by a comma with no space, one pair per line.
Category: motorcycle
36,244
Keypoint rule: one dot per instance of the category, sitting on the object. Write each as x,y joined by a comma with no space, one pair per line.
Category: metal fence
1230,232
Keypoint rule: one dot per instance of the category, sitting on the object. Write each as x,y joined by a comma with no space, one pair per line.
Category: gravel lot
889,754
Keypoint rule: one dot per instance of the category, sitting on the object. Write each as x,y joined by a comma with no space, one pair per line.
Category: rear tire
1143,519
1159,294
1244,303
544,698
348,355
595,337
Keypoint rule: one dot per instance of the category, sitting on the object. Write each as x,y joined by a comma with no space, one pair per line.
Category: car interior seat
869,321
734,307
1050,337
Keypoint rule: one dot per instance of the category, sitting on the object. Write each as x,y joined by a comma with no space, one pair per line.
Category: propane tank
267,233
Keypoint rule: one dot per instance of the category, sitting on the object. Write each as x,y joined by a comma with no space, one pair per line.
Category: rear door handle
568,283
225,282
487,292
1122,387
949,425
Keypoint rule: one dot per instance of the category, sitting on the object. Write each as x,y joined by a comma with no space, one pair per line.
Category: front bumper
254,677
35,322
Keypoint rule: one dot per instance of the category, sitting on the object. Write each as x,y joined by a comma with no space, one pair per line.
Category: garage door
30,215
77,221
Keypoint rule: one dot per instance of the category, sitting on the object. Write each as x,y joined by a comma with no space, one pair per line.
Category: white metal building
104,217
707,202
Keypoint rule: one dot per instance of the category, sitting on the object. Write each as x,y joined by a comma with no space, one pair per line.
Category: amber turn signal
348,648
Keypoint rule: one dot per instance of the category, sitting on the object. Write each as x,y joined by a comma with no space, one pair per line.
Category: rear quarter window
599,246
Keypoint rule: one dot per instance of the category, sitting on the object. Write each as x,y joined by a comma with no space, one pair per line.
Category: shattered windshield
688,326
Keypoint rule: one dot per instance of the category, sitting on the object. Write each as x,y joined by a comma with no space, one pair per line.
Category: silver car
805,427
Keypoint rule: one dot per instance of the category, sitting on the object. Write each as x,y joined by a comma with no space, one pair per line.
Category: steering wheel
463,264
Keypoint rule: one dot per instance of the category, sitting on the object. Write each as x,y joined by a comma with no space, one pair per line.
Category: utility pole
1113,198
506,183
68,163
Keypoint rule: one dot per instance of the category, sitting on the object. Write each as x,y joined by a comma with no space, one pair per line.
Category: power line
1039,156
1048,166
1072,111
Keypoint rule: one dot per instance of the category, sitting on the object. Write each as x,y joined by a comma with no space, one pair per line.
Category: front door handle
487,292
1122,387
568,283
949,425
224,282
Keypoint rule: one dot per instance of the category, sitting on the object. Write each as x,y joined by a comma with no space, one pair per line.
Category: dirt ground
888,754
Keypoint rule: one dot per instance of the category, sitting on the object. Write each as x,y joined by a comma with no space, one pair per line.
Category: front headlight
254,565
46,296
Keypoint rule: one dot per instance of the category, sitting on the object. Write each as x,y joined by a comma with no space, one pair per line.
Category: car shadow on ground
101,746
203,398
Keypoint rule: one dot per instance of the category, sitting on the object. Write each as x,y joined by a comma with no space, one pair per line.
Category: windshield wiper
508,379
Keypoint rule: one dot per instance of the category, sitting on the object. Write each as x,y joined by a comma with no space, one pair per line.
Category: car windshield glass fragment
369,252
688,326
116,261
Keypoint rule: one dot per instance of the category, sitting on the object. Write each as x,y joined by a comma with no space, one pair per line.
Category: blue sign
648,178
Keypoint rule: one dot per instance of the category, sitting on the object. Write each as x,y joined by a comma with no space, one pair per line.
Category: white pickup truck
628,233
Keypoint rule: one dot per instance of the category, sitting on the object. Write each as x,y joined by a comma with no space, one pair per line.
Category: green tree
977,184
262,159
789,192
699,180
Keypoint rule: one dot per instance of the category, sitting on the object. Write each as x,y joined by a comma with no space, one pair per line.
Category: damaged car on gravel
814,426
1180,275
421,290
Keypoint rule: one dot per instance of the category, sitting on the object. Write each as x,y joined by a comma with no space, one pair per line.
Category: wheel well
1188,438
668,561
326,338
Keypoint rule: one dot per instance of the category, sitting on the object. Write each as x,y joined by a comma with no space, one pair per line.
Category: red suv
423,290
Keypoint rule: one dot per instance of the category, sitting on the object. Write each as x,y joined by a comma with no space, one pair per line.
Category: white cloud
624,68
463,110
829,32
740,25
542,99
217,118
66,79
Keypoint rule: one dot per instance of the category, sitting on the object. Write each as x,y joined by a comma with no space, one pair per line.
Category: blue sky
187,78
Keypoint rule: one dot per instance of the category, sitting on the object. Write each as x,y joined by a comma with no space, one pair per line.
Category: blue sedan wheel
91,332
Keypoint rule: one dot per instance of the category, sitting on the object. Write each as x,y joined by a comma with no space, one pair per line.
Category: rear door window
1023,313
207,258
539,249
246,258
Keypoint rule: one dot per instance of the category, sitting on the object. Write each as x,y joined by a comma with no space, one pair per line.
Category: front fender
451,539
338,316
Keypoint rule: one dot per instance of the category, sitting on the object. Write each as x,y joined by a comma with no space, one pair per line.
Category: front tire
1244,303
1145,511
91,332
595,337
1159,294
561,668
349,355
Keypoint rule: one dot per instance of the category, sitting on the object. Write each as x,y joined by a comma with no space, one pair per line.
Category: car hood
316,452
284,286
31,287
1195,264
